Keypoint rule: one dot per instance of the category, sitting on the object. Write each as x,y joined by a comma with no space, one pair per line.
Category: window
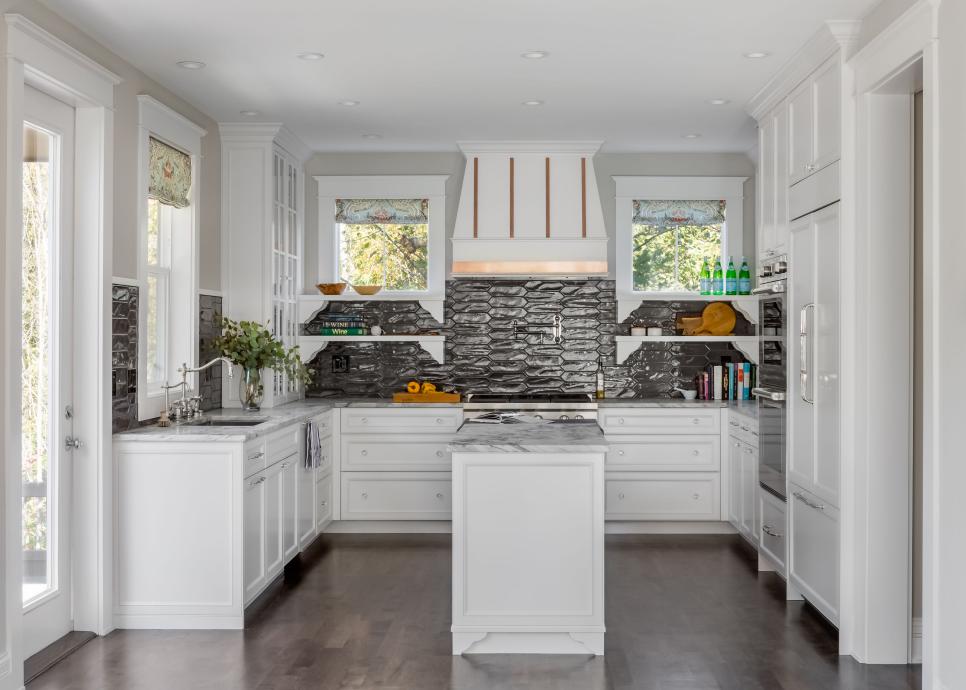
384,242
386,230
671,240
666,227
168,254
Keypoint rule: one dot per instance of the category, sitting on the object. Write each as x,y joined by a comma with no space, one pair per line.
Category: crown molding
150,102
588,148
835,36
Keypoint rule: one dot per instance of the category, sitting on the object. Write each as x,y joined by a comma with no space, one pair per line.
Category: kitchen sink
252,421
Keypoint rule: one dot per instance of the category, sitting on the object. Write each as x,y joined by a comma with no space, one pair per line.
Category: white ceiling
427,73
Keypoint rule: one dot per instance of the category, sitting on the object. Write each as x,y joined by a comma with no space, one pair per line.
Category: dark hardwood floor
373,611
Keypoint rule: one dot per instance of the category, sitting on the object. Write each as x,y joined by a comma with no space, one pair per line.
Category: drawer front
284,443
324,422
662,496
328,449
773,529
743,429
256,457
401,420
631,420
813,558
400,453
665,453
323,497
397,496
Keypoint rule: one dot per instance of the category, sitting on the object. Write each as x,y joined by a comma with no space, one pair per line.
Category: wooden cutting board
437,397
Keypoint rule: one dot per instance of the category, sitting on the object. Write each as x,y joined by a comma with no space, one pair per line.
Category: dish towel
313,446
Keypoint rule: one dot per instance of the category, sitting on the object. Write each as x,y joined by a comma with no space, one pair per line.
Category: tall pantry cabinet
263,190
800,134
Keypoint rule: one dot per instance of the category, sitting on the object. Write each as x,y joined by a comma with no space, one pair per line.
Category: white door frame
876,478
35,57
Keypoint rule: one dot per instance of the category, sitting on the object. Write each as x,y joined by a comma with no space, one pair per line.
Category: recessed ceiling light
757,55
249,113
191,64
533,102
535,54
692,135
310,56
349,104
372,136
718,101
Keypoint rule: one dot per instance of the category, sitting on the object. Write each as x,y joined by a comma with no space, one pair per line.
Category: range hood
529,208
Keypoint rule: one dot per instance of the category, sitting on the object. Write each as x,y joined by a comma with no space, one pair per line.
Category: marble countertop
659,402
528,438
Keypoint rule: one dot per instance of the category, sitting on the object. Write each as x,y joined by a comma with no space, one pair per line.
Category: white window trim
161,122
431,187
631,188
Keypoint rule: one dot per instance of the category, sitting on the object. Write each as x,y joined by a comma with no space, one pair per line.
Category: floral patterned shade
396,211
674,214
170,174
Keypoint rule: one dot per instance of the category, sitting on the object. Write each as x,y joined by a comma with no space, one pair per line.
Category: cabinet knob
284,465
809,167
695,421
695,496
365,495
620,452
439,454
439,420
621,495
324,503
364,420
439,496
695,452
620,420
364,452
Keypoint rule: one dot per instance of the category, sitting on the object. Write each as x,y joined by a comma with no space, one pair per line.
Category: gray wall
452,164
126,197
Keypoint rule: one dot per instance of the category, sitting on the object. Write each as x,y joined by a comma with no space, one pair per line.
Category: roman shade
675,214
396,211
170,174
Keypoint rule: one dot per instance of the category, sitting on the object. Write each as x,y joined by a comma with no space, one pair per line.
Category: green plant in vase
252,346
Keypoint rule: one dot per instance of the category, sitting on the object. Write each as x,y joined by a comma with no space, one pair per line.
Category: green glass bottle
731,279
717,279
705,278
744,278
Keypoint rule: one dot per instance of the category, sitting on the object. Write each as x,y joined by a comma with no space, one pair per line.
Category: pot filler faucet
186,408
554,329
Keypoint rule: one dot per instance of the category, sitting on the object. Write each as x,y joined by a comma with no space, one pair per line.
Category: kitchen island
528,538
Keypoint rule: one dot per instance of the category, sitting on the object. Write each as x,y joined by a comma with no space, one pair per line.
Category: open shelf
746,304
746,344
312,304
310,345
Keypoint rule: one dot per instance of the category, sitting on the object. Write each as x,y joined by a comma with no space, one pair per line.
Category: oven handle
767,394
803,347
770,288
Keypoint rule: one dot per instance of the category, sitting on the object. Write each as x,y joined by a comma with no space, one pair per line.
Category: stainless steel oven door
771,442
772,348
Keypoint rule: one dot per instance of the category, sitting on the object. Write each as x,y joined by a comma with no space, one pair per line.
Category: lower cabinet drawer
665,453
651,420
399,453
774,529
663,496
397,496
813,550
255,457
401,420
323,497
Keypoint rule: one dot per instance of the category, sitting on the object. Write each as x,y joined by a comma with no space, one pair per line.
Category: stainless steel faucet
187,408
554,329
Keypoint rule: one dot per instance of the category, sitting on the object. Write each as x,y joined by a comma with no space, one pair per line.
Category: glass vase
250,389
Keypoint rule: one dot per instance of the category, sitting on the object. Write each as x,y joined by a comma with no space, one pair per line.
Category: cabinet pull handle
324,503
810,167
801,497
256,456
695,421
770,532
803,354
256,482
284,465
364,420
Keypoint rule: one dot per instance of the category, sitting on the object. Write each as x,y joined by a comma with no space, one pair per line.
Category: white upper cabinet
814,122
773,184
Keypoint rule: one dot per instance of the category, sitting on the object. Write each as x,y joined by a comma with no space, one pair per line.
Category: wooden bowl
331,288
367,289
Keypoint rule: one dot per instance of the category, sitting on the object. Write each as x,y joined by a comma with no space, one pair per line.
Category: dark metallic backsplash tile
483,355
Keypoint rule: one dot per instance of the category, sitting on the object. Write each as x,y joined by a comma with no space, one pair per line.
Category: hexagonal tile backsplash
484,356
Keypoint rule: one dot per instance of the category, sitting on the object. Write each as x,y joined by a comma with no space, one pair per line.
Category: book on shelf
726,381
342,331
341,324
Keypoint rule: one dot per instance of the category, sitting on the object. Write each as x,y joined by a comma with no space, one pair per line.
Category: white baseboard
916,641
169,621
701,527
445,527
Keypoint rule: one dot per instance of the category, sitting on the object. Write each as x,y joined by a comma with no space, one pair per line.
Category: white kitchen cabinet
274,511
813,455
813,550
253,529
749,493
814,122
663,496
401,420
773,184
325,498
306,525
651,420
289,475
743,487
658,453
310,521
391,452
773,542
396,496
262,191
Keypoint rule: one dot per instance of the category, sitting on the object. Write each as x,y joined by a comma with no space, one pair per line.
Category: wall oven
771,386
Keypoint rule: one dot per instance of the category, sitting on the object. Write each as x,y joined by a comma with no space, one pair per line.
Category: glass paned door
46,366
